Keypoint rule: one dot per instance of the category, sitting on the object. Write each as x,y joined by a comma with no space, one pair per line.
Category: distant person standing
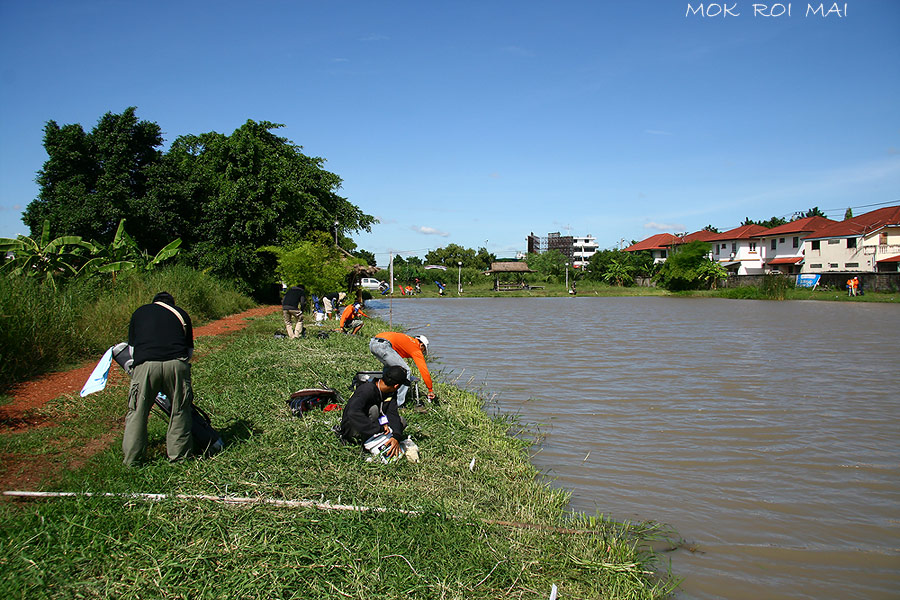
161,337
292,310
392,347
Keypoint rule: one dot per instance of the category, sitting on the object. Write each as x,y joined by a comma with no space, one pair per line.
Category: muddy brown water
766,433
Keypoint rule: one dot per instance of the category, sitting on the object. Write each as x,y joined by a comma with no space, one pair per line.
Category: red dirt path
27,472
30,395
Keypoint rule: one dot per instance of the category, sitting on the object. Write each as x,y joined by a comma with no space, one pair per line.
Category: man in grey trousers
161,337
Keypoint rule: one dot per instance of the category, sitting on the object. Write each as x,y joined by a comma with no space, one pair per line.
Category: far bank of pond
593,289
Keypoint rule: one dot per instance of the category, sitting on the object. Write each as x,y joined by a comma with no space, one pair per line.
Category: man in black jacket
372,409
292,307
161,337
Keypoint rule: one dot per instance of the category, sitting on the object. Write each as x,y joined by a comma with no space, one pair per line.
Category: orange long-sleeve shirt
408,347
349,313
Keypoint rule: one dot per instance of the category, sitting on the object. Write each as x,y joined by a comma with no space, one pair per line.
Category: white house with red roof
782,247
867,243
739,250
658,245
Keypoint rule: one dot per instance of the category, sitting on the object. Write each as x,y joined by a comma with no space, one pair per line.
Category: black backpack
303,401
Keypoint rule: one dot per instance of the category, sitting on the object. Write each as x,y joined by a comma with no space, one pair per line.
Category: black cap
394,375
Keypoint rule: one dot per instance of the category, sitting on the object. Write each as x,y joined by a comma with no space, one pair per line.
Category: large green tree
91,181
247,190
550,264
224,196
320,268
685,268
619,267
450,255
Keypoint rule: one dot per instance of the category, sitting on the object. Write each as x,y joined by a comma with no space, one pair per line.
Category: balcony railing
882,250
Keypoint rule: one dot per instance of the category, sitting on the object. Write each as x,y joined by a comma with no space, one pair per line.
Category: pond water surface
766,433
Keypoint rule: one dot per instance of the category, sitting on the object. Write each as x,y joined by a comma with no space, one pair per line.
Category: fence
871,282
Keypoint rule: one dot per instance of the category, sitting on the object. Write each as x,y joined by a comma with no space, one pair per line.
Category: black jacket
157,335
294,299
356,424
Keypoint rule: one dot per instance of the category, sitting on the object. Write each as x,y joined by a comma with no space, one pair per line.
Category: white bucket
378,446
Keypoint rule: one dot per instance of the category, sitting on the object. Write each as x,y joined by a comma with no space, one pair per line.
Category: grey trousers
385,353
172,378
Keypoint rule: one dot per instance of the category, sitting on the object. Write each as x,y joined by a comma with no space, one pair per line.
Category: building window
832,265
717,249
723,246
815,245
851,265
797,242
734,246
851,242
773,243
833,242
752,246
814,266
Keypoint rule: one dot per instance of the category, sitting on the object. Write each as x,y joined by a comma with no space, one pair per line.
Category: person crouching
372,410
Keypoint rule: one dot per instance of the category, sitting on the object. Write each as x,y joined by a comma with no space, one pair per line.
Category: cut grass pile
486,530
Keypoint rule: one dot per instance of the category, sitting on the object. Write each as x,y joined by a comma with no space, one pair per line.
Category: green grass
452,547
755,293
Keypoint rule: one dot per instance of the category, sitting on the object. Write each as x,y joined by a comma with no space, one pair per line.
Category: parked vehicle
370,283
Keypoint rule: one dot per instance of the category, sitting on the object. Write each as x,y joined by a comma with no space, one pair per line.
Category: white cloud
430,231
664,226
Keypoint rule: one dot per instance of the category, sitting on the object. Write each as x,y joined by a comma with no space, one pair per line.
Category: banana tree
711,272
123,254
45,258
618,272
170,250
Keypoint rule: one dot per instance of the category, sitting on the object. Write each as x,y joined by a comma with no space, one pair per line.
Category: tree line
226,197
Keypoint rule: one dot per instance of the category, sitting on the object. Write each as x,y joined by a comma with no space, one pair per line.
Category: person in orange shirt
350,321
392,347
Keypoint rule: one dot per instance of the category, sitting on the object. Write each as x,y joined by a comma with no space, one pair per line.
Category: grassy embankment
42,330
452,546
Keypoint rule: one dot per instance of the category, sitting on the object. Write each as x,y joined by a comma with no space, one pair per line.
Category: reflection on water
766,433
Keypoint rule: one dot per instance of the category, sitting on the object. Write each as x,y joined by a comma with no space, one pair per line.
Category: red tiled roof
660,241
744,232
805,225
790,260
861,225
703,235
895,259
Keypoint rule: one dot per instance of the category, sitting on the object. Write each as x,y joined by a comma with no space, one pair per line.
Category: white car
370,283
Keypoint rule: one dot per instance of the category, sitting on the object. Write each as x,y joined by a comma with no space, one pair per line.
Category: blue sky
477,123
